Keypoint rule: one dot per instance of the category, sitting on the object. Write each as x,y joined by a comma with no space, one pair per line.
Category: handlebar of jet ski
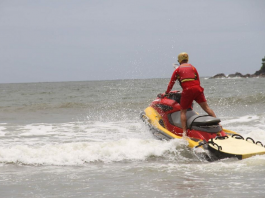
162,95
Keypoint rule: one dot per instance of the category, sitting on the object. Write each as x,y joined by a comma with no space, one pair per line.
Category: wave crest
88,152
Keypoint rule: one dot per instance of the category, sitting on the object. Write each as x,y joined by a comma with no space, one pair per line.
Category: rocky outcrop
237,74
259,73
221,75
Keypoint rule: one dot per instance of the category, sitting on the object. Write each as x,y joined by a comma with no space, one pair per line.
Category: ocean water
86,139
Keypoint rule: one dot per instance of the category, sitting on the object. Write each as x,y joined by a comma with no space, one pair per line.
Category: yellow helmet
183,56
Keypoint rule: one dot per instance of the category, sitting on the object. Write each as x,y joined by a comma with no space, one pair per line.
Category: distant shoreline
258,74
238,75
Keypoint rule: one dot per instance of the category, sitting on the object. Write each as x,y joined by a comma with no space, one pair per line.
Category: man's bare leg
183,119
207,109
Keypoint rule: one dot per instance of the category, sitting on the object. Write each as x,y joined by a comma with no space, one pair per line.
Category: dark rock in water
237,74
221,75
247,76
259,73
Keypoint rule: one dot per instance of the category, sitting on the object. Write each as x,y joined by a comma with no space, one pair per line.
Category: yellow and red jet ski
203,131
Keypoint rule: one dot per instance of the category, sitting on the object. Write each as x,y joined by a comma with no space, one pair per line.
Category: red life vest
186,73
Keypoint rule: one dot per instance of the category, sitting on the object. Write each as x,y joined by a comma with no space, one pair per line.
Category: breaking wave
80,153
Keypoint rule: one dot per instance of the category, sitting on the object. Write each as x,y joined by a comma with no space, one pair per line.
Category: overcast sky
76,40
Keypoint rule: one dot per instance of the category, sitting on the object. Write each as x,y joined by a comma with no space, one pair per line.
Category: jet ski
204,134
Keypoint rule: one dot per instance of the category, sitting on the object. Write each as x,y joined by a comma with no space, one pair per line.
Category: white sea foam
248,126
243,119
85,152
73,131
2,132
36,130
77,143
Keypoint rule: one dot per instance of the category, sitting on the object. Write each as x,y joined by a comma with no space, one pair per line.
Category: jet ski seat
205,123
197,122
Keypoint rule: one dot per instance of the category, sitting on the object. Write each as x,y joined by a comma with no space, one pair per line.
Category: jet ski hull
163,119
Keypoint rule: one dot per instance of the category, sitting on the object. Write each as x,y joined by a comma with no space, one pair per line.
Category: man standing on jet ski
189,80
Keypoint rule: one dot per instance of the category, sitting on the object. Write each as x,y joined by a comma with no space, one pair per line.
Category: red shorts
191,93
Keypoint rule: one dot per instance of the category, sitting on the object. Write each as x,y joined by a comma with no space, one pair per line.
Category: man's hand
166,94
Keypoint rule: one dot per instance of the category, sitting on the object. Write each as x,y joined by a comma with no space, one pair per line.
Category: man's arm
197,74
172,81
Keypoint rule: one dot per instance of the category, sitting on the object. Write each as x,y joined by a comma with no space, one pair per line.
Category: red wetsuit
189,80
